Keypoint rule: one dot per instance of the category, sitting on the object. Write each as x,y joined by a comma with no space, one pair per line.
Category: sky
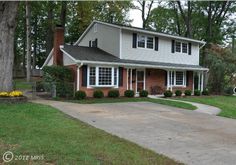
135,15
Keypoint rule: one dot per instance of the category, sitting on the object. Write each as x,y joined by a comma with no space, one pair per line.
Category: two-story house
115,56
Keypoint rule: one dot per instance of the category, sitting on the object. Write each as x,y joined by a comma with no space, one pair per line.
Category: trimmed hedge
188,92
129,93
197,93
168,93
80,95
114,93
143,93
178,93
98,94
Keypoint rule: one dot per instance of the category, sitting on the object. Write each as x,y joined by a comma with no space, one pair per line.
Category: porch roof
92,55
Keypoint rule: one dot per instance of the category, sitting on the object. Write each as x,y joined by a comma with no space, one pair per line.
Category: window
105,76
102,76
92,76
178,46
179,80
145,42
141,41
150,42
184,48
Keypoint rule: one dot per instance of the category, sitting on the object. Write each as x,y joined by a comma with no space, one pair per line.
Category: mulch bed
22,99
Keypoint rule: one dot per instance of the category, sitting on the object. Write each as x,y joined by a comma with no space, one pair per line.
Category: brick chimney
58,40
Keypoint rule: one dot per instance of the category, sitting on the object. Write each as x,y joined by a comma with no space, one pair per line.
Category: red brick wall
58,40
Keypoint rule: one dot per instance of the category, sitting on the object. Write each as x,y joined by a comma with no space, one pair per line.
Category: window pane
150,42
92,76
141,41
179,78
177,46
115,76
184,48
105,76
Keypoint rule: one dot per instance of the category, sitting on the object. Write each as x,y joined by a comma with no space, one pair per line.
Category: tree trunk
63,13
8,13
28,38
49,38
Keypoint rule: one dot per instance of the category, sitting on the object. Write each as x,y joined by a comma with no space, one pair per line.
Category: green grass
21,84
226,103
34,129
138,99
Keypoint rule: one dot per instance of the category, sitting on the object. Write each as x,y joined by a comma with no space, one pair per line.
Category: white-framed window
178,78
178,46
145,42
102,76
184,47
150,42
141,41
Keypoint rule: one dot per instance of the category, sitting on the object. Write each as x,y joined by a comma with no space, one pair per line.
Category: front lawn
226,103
135,99
34,129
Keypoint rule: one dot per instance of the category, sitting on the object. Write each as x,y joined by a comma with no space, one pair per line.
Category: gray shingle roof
82,53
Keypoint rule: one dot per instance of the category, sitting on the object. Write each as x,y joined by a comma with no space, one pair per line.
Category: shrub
188,92
197,93
98,94
143,93
168,93
114,93
129,93
80,95
229,91
205,92
178,92
39,86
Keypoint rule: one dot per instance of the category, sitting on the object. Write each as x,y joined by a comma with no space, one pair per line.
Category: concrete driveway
187,136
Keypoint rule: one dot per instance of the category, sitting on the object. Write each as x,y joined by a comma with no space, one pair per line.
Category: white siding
162,55
67,60
108,38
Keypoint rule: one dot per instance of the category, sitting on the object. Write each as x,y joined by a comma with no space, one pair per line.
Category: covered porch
157,80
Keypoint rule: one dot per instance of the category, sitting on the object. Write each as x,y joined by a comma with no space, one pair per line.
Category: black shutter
84,75
156,43
166,75
96,42
173,46
187,78
189,48
90,44
134,40
120,76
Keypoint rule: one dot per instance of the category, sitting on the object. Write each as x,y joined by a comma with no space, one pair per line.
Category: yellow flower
15,94
4,94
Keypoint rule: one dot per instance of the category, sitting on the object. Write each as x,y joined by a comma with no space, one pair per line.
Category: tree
28,38
143,5
8,13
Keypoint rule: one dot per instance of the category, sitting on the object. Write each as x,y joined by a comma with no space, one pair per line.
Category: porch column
171,72
78,78
127,79
202,82
167,85
199,81
131,88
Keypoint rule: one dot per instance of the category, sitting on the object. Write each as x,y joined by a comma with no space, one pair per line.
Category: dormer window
145,42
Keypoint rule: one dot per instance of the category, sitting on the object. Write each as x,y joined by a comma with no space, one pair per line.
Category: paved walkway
202,108
187,136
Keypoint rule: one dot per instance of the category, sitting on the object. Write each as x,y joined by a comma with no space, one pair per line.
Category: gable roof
92,55
140,30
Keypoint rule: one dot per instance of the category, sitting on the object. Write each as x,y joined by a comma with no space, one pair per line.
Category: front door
140,80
